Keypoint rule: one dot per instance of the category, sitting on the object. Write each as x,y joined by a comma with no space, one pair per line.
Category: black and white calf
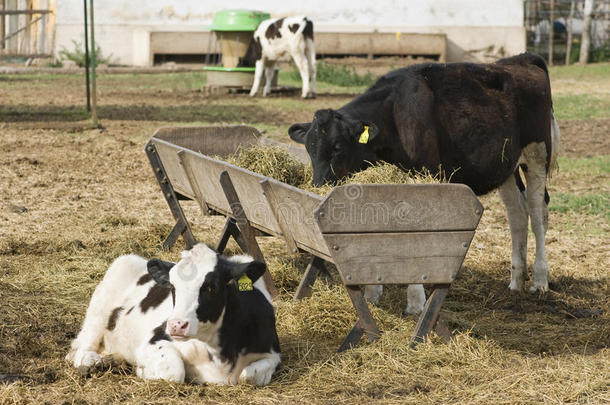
205,319
275,38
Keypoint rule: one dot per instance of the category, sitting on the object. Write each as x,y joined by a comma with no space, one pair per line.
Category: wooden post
551,31
13,25
585,41
2,27
569,40
93,89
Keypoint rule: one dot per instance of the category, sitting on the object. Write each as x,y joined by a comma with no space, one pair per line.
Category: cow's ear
254,270
297,132
159,271
366,132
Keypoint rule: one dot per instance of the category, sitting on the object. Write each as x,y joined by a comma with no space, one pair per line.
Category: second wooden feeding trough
374,233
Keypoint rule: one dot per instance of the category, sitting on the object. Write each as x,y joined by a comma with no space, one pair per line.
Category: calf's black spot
156,295
293,28
144,279
273,30
159,334
114,316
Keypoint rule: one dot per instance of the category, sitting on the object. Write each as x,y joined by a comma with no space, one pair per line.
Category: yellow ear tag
244,283
364,136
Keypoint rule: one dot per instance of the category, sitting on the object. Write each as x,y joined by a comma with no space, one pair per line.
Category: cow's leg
269,71
416,299
261,371
535,157
372,293
310,52
159,361
516,210
84,352
259,67
303,65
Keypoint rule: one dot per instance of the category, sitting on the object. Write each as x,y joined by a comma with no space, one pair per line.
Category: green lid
238,20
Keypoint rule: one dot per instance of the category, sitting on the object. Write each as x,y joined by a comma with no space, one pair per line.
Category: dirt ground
74,198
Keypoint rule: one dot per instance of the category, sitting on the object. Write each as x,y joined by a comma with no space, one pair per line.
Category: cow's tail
555,144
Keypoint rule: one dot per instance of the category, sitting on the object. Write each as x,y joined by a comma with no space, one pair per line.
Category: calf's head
337,144
201,282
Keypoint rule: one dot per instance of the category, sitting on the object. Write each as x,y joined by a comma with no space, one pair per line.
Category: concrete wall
476,29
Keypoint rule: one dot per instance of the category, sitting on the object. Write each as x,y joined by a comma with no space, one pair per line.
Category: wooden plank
184,162
357,208
381,43
309,277
296,207
173,168
209,140
399,258
244,228
182,227
274,205
366,323
429,316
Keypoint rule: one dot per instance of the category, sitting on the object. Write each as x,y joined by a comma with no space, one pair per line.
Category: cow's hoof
539,287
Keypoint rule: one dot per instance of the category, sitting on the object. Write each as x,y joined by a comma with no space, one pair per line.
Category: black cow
479,122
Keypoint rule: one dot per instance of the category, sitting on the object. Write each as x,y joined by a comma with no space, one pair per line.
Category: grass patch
342,76
592,204
592,71
592,165
581,106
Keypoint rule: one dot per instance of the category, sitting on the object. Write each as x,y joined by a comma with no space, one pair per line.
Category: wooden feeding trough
374,234
233,30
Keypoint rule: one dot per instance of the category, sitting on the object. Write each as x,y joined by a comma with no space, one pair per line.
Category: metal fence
566,17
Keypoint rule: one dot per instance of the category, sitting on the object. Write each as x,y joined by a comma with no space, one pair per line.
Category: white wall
120,23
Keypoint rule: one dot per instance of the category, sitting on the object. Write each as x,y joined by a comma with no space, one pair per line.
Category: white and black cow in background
479,122
205,319
275,38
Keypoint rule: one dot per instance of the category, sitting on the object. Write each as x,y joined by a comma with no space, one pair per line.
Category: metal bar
551,32
170,197
569,39
429,316
25,27
93,89
244,227
21,12
87,59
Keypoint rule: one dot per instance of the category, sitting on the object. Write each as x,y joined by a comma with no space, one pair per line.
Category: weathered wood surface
315,267
243,224
362,208
399,258
210,140
365,323
295,207
429,316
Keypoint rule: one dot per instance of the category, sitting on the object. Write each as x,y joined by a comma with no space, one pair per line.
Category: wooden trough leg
311,273
364,324
230,229
182,226
243,225
429,317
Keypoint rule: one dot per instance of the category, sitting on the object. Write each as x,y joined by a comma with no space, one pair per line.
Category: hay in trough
279,164
271,161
